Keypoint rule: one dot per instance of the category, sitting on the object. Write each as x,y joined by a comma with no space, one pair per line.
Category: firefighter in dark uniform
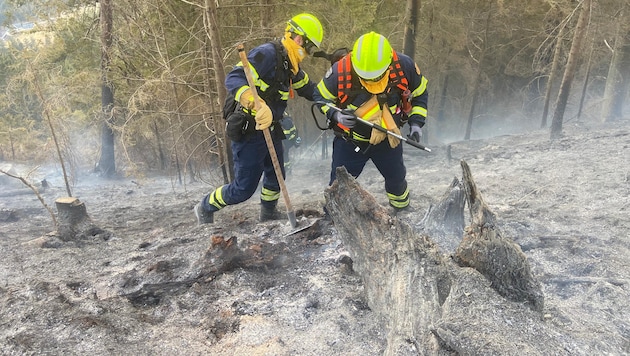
385,87
292,139
251,156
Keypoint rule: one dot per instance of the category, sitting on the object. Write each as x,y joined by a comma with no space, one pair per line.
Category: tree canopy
489,61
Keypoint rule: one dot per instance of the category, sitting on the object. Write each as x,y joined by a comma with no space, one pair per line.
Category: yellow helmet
371,55
307,25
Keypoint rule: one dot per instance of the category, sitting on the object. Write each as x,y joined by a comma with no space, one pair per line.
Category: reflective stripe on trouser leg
399,201
389,162
268,195
215,200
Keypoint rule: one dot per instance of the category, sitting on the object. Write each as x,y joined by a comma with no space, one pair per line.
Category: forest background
136,87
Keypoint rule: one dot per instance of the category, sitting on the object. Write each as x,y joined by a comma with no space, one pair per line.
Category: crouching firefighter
385,88
275,67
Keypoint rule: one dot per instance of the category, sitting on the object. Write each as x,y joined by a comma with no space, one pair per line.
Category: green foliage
54,59
165,90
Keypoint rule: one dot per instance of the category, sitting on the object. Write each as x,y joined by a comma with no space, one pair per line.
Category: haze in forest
494,69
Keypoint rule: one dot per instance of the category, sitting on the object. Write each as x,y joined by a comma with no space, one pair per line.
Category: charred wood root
145,287
225,255
498,258
74,223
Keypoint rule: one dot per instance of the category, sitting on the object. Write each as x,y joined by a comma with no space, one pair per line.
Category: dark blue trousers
388,161
251,162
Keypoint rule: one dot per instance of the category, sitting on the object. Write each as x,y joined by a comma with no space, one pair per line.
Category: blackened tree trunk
433,303
214,47
107,163
265,14
411,24
569,72
552,75
443,93
585,86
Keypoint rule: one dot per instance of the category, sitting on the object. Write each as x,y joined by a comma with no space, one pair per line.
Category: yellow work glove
263,117
247,99
391,126
377,136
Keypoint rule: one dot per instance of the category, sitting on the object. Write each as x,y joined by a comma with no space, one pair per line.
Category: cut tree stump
431,305
73,221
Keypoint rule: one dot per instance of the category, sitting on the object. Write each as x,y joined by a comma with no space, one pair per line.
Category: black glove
415,133
347,120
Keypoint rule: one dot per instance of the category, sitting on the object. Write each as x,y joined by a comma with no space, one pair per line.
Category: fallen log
429,304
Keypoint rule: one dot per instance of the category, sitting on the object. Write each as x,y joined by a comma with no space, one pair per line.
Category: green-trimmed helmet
307,25
371,55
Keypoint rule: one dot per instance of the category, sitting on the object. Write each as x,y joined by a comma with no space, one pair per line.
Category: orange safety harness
396,79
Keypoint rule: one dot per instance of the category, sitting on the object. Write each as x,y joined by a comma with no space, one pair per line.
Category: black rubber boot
269,213
203,216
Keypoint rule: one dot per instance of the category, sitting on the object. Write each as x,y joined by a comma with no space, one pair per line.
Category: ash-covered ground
133,291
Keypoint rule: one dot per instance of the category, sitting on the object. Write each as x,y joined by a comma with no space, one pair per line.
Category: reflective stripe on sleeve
325,93
421,88
301,83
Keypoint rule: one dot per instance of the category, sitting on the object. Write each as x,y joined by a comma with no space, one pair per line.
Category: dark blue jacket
264,60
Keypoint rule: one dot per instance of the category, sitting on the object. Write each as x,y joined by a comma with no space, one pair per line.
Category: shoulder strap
344,80
396,75
283,71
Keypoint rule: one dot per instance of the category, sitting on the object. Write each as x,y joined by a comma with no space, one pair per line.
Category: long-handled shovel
268,140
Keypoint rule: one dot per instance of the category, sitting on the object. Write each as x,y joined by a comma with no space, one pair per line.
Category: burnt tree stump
405,276
499,259
486,303
73,221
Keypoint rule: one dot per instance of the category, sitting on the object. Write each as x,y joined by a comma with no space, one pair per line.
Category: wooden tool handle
268,139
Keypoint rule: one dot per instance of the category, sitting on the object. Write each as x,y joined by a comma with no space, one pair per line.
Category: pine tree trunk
411,23
107,163
480,69
569,72
223,142
585,86
552,75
